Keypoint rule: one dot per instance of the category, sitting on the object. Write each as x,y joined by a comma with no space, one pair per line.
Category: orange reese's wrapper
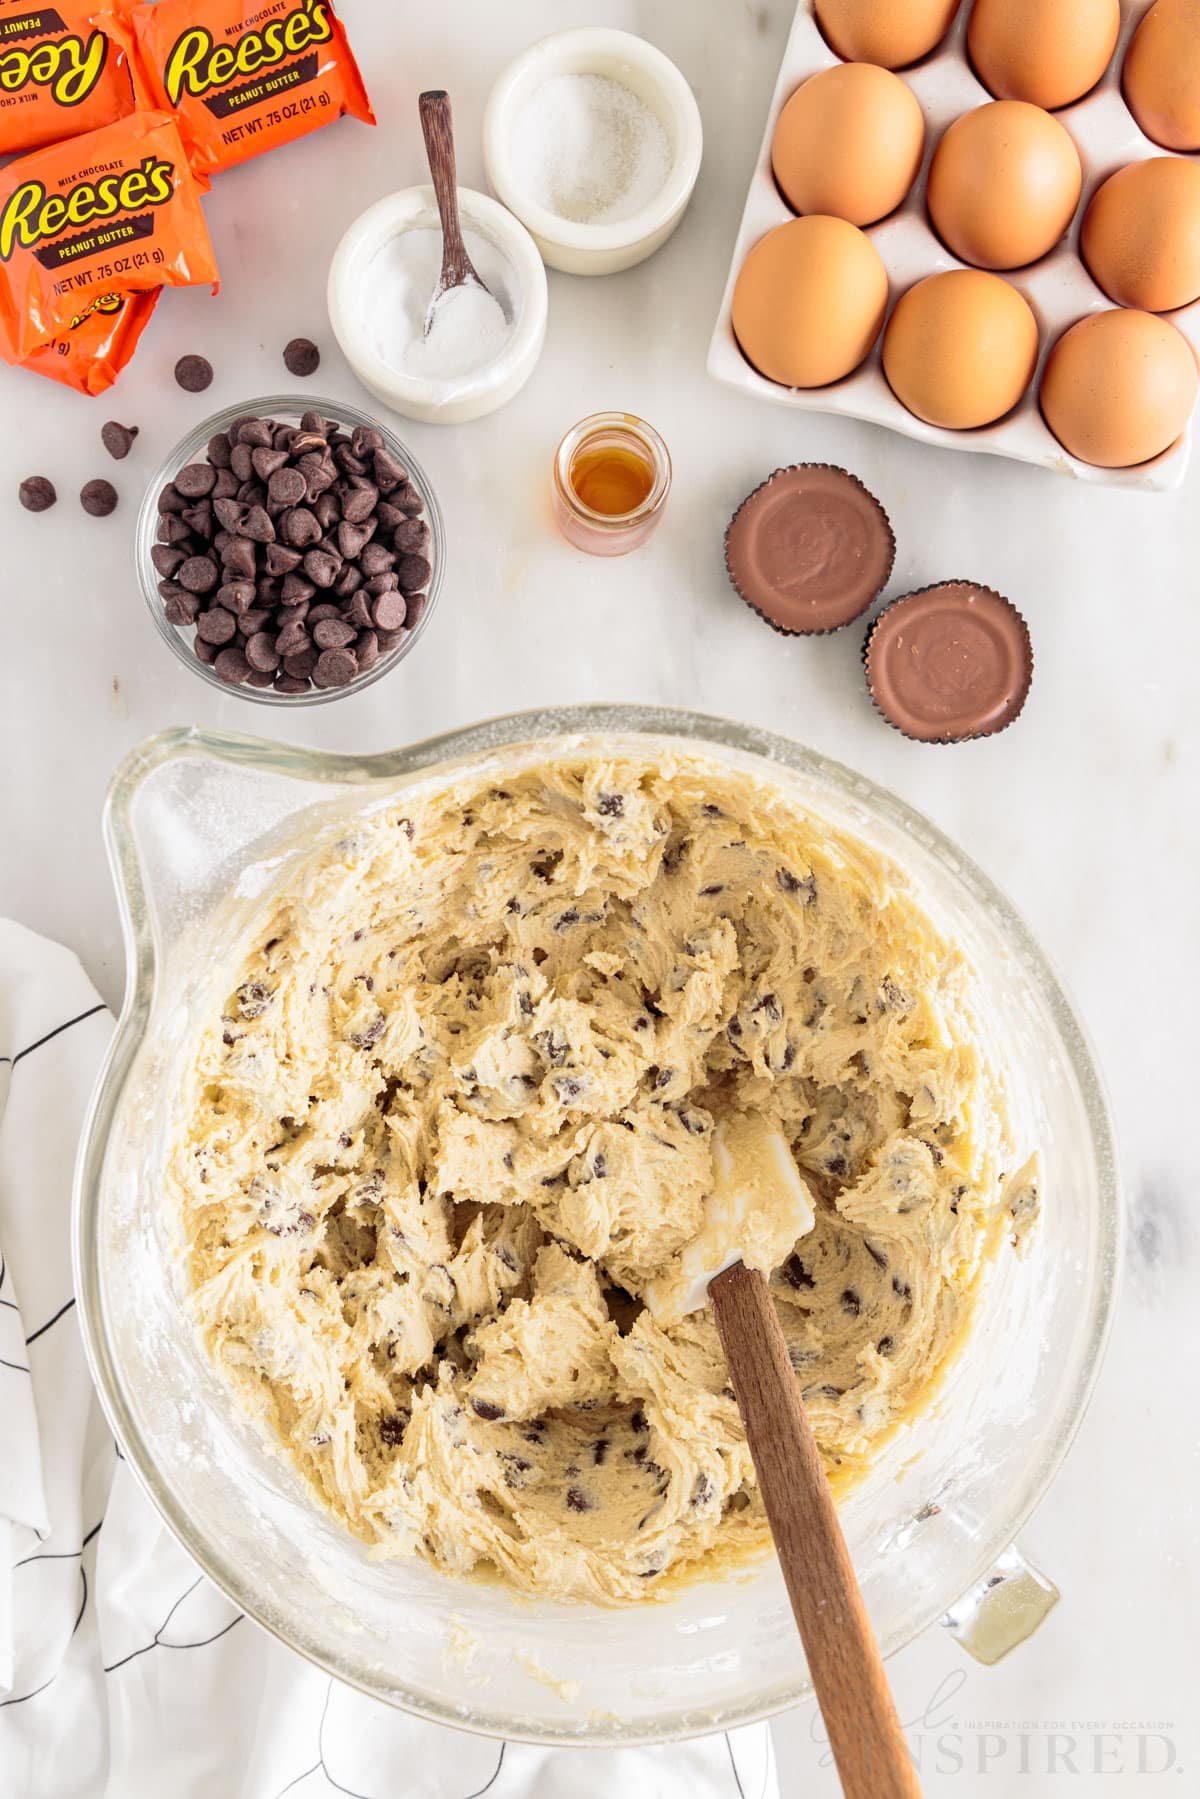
241,76
113,213
60,74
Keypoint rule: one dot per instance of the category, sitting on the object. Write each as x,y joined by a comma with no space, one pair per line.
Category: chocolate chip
301,357
486,1410
194,373
321,567
299,528
261,653
266,461
376,560
335,668
232,666
218,450
366,651
216,626
98,498
359,503
389,611
413,573
333,634
280,560
411,534
199,574
237,559
196,480
292,638
286,487
578,1500
167,558
301,664
181,608
257,525
118,439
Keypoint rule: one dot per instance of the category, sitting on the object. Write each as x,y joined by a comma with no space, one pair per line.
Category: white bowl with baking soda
481,349
593,138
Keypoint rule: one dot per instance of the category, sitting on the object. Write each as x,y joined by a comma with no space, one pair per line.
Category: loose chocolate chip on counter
194,373
118,439
301,357
98,498
36,494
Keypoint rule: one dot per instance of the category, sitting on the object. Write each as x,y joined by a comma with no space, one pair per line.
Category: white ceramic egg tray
1058,287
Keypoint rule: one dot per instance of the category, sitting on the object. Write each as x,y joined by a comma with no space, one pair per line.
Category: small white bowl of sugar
481,348
593,139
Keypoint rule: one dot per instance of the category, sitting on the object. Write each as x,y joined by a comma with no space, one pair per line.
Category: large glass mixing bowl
198,824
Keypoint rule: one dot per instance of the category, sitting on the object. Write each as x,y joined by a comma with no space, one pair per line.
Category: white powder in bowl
470,328
588,149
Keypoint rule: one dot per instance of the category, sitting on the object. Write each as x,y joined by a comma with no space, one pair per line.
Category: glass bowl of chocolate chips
290,550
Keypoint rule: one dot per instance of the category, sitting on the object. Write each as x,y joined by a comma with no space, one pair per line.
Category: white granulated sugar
469,327
588,149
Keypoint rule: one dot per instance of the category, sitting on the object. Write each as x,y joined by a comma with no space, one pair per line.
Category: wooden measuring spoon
759,1206
457,267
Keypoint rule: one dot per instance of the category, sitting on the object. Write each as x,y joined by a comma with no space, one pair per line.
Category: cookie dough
454,1112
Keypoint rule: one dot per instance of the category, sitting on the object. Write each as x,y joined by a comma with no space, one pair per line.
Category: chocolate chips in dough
453,1111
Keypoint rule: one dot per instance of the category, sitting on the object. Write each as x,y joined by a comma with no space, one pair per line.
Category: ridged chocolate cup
867,551
972,672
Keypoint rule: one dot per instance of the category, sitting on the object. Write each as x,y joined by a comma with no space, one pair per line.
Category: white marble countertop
1086,811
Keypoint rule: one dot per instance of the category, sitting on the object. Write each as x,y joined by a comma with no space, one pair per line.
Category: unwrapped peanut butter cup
949,663
810,549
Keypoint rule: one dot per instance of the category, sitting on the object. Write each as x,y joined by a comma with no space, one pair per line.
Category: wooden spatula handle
843,1656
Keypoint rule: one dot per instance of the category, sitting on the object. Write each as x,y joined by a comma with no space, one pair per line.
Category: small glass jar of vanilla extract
612,475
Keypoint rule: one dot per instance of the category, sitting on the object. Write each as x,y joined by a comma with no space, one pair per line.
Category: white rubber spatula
757,1211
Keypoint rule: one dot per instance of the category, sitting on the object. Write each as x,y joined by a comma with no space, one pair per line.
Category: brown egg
1118,388
892,33
809,301
960,349
1003,184
849,143
1049,52
1141,234
1161,78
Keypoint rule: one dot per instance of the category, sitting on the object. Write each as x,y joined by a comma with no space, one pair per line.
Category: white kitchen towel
124,1674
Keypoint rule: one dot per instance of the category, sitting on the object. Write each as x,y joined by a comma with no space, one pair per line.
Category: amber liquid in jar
611,478
612,475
